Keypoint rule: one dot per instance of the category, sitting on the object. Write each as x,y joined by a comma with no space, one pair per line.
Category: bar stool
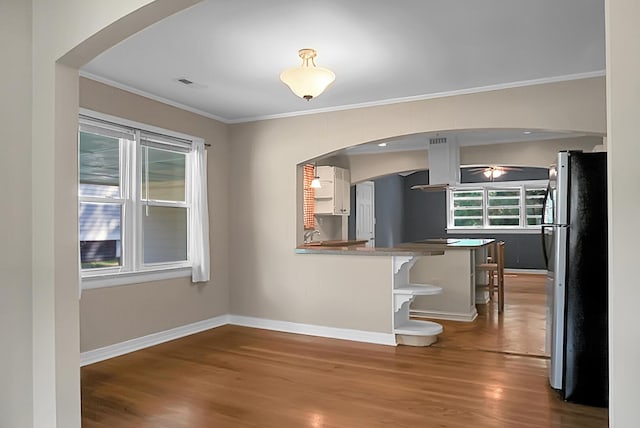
495,268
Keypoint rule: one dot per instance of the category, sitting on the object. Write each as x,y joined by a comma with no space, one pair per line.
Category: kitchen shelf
418,328
408,331
418,290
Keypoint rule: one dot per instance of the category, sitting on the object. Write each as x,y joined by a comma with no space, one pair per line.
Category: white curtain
199,242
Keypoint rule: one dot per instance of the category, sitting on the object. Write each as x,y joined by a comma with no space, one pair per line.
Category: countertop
425,247
451,243
368,251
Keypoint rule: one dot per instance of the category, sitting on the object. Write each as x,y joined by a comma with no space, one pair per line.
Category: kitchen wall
115,314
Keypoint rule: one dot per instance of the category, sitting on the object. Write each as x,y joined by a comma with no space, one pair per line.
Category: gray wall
390,210
425,212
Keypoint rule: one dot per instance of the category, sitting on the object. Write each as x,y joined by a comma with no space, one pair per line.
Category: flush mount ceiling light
308,80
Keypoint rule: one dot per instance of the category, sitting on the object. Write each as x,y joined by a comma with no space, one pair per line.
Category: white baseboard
315,330
451,316
117,349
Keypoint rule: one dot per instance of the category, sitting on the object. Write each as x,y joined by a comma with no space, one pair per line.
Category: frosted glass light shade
307,80
315,183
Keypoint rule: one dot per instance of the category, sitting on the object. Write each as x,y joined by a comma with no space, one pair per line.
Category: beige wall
623,110
369,166
531,153
269,280
115,314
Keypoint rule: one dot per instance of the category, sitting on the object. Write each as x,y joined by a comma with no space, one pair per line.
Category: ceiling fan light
307,80
487,173
497,173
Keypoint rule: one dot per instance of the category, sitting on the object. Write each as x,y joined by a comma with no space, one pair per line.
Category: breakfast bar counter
452,268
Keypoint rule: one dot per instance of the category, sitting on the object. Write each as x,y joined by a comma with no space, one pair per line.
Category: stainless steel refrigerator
574,235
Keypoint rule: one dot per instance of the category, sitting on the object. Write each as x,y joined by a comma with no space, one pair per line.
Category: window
511,206
137,205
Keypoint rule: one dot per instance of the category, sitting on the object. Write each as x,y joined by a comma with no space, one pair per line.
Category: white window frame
132,269
522,227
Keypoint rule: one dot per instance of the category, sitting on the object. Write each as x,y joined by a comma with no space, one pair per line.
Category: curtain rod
107,122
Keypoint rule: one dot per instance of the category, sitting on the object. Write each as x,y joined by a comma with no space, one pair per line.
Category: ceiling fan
493,171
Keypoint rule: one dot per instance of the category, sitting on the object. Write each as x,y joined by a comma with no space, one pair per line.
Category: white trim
124,278
315,330
443,315
532,82
117,349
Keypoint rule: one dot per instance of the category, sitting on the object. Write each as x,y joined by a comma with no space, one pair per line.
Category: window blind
309,197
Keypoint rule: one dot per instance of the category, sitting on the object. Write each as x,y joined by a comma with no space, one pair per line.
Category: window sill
496,231
90,282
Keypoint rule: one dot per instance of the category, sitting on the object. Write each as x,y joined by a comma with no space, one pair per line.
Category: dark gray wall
425,212
523,174
390,209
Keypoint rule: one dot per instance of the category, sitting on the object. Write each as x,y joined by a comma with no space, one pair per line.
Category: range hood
444,165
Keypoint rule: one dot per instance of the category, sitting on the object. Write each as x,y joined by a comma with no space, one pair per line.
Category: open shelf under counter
417,290
418,328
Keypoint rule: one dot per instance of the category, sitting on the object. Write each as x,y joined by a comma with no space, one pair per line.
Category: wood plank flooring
490,373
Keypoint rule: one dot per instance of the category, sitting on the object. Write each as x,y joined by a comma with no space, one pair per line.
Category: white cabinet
333,197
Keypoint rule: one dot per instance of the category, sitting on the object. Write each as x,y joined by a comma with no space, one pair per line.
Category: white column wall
58,27
623,111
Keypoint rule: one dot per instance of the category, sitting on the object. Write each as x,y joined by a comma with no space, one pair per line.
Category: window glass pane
467,208
471,222
534,202
100,235
164,234
163,175
99,165
501,221
503,207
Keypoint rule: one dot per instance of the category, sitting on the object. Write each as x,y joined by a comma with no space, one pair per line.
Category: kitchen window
142,208
512,206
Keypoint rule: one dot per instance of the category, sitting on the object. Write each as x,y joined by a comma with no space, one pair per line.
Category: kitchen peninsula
430,278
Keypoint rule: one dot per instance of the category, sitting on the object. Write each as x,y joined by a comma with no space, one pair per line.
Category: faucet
308,235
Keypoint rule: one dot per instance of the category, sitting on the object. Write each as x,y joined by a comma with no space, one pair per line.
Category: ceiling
380,51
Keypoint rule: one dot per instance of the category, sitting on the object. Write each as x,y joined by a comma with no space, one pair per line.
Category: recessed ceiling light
382,145
527,132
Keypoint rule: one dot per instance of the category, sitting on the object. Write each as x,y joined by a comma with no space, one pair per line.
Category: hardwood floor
490,373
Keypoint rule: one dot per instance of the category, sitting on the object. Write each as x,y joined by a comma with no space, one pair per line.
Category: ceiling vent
437,140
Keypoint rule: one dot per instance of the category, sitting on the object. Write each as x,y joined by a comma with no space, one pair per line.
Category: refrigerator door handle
544,245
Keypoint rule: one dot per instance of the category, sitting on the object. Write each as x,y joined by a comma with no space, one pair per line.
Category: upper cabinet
333,197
